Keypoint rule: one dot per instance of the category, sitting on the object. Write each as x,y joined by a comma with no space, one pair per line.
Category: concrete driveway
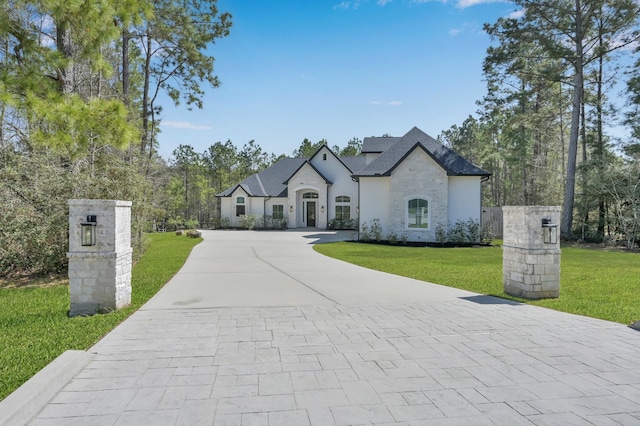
237,268
258,329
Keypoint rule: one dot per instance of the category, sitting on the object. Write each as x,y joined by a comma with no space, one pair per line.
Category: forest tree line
80,84
560,122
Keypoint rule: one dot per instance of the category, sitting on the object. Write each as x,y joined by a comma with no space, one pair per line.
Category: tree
307,148
174,43
49,46
353,148
574,31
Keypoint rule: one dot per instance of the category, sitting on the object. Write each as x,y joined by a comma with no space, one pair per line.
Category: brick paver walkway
465,361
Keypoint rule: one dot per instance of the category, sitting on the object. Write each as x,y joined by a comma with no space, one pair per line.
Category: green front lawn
596,283
35,328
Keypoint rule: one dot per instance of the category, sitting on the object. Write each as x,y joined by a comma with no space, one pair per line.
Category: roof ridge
264,192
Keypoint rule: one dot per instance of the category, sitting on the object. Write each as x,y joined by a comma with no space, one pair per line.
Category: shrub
376,230
191,224
469,232
441,233
404,237
338,224
364,232
176,223
457,234
223,223
249,221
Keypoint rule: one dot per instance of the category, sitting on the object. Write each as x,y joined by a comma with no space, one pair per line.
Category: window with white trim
278,211
240,206
418,213
343,207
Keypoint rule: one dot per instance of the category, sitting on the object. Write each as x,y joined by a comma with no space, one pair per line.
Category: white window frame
273,211
240,203
342,204
428,215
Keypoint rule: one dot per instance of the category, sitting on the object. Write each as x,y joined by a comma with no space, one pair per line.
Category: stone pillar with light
531,251
100,256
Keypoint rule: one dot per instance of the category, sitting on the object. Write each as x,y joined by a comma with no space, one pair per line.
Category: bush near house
341,224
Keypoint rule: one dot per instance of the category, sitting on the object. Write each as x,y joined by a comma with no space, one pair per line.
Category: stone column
530,267
100,275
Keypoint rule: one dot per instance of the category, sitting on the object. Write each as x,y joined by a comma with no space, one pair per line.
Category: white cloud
347,5
383,2
516,14
463,4
471,27
184,125
391,103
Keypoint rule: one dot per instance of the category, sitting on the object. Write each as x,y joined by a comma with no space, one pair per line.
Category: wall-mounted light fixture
549,232
88,231
322,209
290,209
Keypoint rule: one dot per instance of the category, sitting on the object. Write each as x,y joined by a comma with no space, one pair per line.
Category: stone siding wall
100,275
418,175
531,267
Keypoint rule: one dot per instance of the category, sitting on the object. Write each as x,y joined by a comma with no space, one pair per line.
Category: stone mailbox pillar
99,274
531,251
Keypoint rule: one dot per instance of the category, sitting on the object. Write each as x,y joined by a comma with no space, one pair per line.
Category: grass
34,323
595,283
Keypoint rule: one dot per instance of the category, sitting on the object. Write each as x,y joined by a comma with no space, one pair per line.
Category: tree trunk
126,85
570,184
64,45
599,151
145,93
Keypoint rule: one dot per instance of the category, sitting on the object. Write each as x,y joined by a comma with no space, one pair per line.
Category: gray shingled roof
454,164
374,144
354,163
272,182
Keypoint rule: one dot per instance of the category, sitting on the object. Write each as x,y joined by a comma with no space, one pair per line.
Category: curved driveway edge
257,328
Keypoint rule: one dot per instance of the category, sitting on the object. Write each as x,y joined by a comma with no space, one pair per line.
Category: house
407,184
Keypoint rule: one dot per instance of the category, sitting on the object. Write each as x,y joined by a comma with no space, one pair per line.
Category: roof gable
307,162
451,162
325,147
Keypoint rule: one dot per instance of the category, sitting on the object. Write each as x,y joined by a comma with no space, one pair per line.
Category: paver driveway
258,329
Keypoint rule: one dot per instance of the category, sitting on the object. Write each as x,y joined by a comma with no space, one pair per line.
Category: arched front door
310,207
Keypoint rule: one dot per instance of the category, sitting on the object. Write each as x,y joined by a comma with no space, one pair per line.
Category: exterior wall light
322,209
549,232
88,231
290,209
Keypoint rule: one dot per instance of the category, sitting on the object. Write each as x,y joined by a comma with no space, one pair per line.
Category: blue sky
333,69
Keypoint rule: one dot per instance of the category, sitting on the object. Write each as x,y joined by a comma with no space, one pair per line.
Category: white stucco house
410,184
